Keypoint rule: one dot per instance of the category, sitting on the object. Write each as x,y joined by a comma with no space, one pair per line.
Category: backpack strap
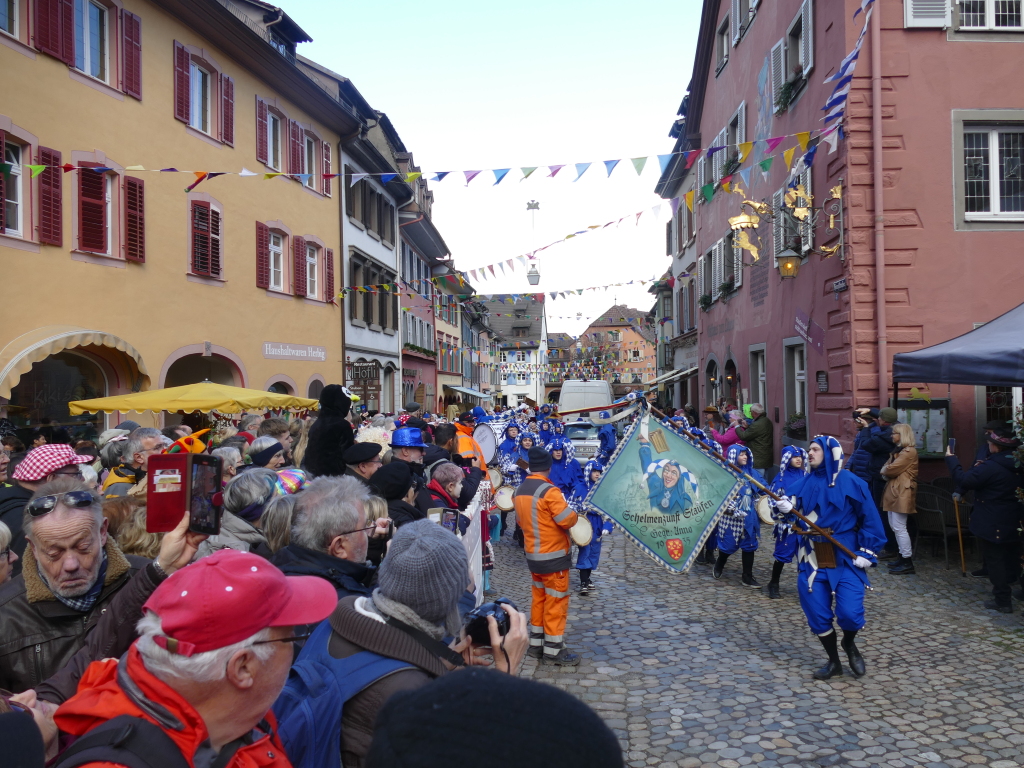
126,740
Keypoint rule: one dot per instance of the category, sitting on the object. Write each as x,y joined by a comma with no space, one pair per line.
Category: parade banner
664,493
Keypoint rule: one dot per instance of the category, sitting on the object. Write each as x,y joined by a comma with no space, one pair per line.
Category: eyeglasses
74,499
5,554
292,639
358,530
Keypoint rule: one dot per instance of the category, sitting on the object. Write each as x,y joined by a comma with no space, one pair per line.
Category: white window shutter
700,276
716,269
927,13
737,261
807,38
741,124
778,228
778,56
806,230
736,21
755,3
701,174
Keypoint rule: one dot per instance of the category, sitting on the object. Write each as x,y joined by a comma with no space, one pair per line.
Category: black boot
706,556
897,563
834,667
856,660
748,571
773,585
719,565
905,567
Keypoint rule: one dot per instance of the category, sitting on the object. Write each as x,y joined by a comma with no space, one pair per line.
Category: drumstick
815,528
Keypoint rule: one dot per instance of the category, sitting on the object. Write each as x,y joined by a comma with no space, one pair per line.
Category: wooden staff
959,535
814,528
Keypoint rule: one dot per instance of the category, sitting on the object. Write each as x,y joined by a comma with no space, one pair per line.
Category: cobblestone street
692,672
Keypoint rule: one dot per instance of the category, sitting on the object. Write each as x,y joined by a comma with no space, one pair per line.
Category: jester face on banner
665,493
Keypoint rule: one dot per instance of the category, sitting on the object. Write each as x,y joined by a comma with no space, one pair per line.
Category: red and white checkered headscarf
47,459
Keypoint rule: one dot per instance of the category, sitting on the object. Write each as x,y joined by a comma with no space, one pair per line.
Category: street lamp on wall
789,264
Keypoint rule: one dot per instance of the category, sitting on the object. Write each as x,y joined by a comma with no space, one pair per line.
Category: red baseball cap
47,459
229,596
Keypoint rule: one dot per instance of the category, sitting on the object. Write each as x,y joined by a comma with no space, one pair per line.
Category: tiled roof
505,318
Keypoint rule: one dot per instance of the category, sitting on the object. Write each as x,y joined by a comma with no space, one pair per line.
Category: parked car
584,439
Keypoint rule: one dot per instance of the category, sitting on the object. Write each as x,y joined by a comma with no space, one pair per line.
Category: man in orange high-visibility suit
545,520
468,447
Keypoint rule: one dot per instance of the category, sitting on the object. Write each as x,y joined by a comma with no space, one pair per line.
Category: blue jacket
607,437
997,511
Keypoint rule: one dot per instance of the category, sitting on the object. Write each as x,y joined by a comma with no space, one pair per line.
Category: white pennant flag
246,172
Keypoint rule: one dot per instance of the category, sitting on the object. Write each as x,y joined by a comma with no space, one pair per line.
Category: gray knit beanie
426,569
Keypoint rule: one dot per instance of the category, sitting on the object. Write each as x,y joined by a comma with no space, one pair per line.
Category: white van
584,394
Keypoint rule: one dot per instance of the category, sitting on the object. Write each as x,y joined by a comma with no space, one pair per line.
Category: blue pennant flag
386,177
610,165
499,174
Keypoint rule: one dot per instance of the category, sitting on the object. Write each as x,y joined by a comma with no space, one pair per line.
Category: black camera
477,628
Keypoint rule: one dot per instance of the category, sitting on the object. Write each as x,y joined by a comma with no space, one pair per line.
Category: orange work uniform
545,520
468,447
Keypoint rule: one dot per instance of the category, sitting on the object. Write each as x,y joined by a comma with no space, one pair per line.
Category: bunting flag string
835,105
744,149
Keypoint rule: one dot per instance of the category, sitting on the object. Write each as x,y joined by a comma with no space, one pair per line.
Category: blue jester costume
590,555
512,472
565,473
788,482
739,528
840,502
607,438
699,437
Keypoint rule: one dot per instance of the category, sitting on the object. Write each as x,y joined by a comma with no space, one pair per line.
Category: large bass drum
487,437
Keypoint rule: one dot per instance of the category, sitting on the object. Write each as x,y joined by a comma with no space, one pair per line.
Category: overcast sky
476,86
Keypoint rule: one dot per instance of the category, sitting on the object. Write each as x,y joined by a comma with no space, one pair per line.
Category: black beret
361,452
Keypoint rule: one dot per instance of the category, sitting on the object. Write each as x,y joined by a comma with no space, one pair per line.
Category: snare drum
582,532
504,498
495,477
764,510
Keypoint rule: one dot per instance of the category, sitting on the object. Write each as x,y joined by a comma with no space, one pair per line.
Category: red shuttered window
51,186
206,237
182,65
92,209
262,255
295,147
261,130
48,30
3,186
299,265
329,289
227,113
326,186
134,219
131,37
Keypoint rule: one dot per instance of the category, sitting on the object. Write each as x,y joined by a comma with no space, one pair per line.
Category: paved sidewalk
689,671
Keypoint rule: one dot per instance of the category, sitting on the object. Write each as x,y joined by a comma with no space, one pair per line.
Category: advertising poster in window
665,494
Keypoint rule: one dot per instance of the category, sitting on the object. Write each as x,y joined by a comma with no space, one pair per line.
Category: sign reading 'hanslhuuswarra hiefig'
273,350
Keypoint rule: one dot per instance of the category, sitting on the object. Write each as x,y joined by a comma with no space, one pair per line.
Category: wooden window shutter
3,186
294,147
227,113
131,51
394,308
134,219
717,269
215,238
182,63
701,177
92,210
329,290
51,195
350,193
668,239
778,65
353,296
201,245
299,266
262,255
48,29
927,13
326,169
737,260
807,35
700,274
741,125
67,29
262,148
778,228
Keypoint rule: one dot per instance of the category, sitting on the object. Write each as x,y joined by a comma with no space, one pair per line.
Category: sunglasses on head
73,499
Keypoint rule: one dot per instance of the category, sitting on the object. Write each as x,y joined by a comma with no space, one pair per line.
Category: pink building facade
813,347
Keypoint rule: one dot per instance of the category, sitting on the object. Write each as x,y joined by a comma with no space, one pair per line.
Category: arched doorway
314,389
711,382
192,369
280,388
730,382
40,398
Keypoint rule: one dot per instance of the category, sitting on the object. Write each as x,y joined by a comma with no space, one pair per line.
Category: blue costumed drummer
607,438
830,583
739,528
793,470
707,555
589,556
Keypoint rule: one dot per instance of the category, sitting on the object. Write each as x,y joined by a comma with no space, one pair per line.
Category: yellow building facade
120,277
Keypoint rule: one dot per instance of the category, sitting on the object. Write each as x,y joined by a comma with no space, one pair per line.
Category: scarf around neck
388,607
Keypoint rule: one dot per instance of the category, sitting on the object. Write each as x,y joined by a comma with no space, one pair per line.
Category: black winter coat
331,434
346,577
13,499
997,512
402,512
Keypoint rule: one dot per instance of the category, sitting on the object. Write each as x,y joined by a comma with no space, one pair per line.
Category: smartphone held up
178,481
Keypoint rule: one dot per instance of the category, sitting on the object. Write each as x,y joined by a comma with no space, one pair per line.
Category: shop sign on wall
273,350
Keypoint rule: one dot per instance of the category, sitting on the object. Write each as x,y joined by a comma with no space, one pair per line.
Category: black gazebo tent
992,355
